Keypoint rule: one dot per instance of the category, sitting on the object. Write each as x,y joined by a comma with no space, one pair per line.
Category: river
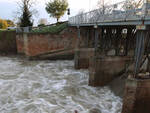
51,87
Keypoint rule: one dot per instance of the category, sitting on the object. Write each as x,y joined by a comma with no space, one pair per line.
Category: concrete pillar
103,70
137,90
137,96
76,57
82,55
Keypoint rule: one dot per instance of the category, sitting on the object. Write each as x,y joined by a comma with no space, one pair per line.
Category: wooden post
96,38
88,37
129,35
118,35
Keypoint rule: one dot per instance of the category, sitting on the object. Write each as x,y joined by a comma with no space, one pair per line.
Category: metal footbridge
122,13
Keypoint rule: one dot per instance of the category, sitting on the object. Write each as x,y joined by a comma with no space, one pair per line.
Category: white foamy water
51,87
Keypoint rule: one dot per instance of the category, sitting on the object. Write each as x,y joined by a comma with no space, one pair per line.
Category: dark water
51,87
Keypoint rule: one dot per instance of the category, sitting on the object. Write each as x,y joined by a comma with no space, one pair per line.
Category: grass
2,30
51,29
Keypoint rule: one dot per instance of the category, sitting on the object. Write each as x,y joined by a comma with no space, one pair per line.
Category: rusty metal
140,50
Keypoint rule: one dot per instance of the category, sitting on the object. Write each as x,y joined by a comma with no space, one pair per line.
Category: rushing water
51,87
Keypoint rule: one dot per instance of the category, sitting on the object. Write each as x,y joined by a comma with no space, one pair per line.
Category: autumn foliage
3,24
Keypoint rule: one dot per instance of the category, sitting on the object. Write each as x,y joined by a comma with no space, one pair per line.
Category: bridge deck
117,14
114,23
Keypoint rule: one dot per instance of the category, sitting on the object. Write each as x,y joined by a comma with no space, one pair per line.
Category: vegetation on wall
51,29
8,41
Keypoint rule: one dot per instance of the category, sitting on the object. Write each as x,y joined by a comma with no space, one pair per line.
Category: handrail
116,12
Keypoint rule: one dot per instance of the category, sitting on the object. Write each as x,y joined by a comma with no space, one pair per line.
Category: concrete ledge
137,96
82,57
57,55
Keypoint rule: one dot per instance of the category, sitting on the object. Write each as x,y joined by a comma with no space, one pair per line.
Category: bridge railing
122,11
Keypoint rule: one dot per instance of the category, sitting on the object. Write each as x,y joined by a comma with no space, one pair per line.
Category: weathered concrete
84,47
104,70
82,57
137,96
118,85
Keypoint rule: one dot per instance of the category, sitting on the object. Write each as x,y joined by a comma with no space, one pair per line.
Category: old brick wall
34,44
8,42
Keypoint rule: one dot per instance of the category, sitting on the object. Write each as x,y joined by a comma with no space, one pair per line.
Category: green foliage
57,8
3,30
132,4
10,23
51,29
25,19
41,25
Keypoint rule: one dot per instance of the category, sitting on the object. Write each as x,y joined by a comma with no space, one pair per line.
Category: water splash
51,87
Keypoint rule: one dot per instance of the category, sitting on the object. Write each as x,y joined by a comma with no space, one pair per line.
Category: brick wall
34,44
8,42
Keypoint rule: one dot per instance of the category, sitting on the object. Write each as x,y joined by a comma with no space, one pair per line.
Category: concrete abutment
103,70
82,57
137,96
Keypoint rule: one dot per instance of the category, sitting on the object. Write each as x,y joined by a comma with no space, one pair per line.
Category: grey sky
8,7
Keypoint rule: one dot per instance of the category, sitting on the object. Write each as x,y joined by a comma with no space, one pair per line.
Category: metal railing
117,12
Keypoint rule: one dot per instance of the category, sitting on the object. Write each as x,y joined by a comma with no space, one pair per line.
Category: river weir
51,87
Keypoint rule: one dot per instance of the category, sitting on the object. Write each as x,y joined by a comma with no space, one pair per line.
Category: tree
26,12
57,8
102,4
10,23
132,4
3,24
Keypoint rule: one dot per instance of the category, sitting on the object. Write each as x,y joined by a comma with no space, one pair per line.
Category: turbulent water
51,87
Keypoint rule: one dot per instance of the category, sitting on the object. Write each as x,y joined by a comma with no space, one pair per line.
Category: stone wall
8,42
34,44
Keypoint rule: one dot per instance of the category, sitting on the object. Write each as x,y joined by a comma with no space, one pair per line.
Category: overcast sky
8,7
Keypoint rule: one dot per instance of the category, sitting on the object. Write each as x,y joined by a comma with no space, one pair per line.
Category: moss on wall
8,42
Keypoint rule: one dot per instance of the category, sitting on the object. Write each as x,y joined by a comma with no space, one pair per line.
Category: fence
123,11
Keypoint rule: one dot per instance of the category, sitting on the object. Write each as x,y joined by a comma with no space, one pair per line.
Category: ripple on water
51,87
